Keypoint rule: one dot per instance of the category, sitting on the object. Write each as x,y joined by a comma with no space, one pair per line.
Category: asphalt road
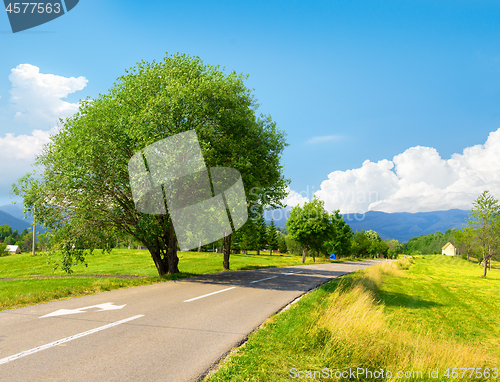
172,331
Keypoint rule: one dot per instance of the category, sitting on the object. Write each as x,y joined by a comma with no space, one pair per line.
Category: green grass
446,295
33,283
434,313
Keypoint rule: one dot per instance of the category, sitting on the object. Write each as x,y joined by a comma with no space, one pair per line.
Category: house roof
447,245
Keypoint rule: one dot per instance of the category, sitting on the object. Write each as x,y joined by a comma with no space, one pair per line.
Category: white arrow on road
105,306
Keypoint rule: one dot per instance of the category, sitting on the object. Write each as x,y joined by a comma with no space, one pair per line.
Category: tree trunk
172,259
304,253
485,266
314,258
161,265
258,251
226,251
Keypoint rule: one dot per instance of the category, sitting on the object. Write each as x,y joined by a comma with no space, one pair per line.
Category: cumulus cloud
23,147
36,100
37,97
322,139
416,180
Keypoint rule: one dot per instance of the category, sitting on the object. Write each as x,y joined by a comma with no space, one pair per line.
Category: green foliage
282,243
361,244
261,232
484,226
293,247
310,225
465,242
249,236
83,194
394,249
272,236
3,251
340,239
5,231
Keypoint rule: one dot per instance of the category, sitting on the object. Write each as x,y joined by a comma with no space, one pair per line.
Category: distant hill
404,225
17,211
14,222
399,225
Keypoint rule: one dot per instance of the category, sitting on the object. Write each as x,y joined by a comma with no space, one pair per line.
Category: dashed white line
267,278
293,273
209,294
67,339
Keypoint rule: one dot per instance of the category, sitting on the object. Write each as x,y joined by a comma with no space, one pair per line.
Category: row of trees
316,230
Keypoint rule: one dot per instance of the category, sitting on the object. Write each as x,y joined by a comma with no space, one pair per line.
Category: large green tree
83,193
484,220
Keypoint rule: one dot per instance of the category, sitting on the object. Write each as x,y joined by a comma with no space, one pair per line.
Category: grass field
431,313
26,279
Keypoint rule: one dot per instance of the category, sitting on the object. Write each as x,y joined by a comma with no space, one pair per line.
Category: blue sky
379,99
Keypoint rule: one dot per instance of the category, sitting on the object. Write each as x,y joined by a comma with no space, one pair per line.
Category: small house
449,249
13,249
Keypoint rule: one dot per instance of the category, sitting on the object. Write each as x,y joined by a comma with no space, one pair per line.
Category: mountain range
397,225
12,215
401,226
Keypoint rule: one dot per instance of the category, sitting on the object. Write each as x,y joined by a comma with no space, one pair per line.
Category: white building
449,249
13,249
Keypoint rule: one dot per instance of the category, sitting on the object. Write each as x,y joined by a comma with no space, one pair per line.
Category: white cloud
294,198
322,139
37,97
23,147
417,180
36,100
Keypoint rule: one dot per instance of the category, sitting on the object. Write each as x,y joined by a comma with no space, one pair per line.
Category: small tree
282,243
3,251
464,240
394,248
310,226
261,233
248,236
272,237
360,244
484,222
339,241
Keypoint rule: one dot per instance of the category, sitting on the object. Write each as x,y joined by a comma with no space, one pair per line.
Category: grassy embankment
427,313
26,279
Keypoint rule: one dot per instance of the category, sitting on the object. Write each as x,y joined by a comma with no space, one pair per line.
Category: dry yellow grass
358,333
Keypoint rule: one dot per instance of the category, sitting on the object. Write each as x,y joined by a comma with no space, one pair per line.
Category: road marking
67,339
209,294
106,306
267,278
294,273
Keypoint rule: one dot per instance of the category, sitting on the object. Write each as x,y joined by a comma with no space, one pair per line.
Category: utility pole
34,231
